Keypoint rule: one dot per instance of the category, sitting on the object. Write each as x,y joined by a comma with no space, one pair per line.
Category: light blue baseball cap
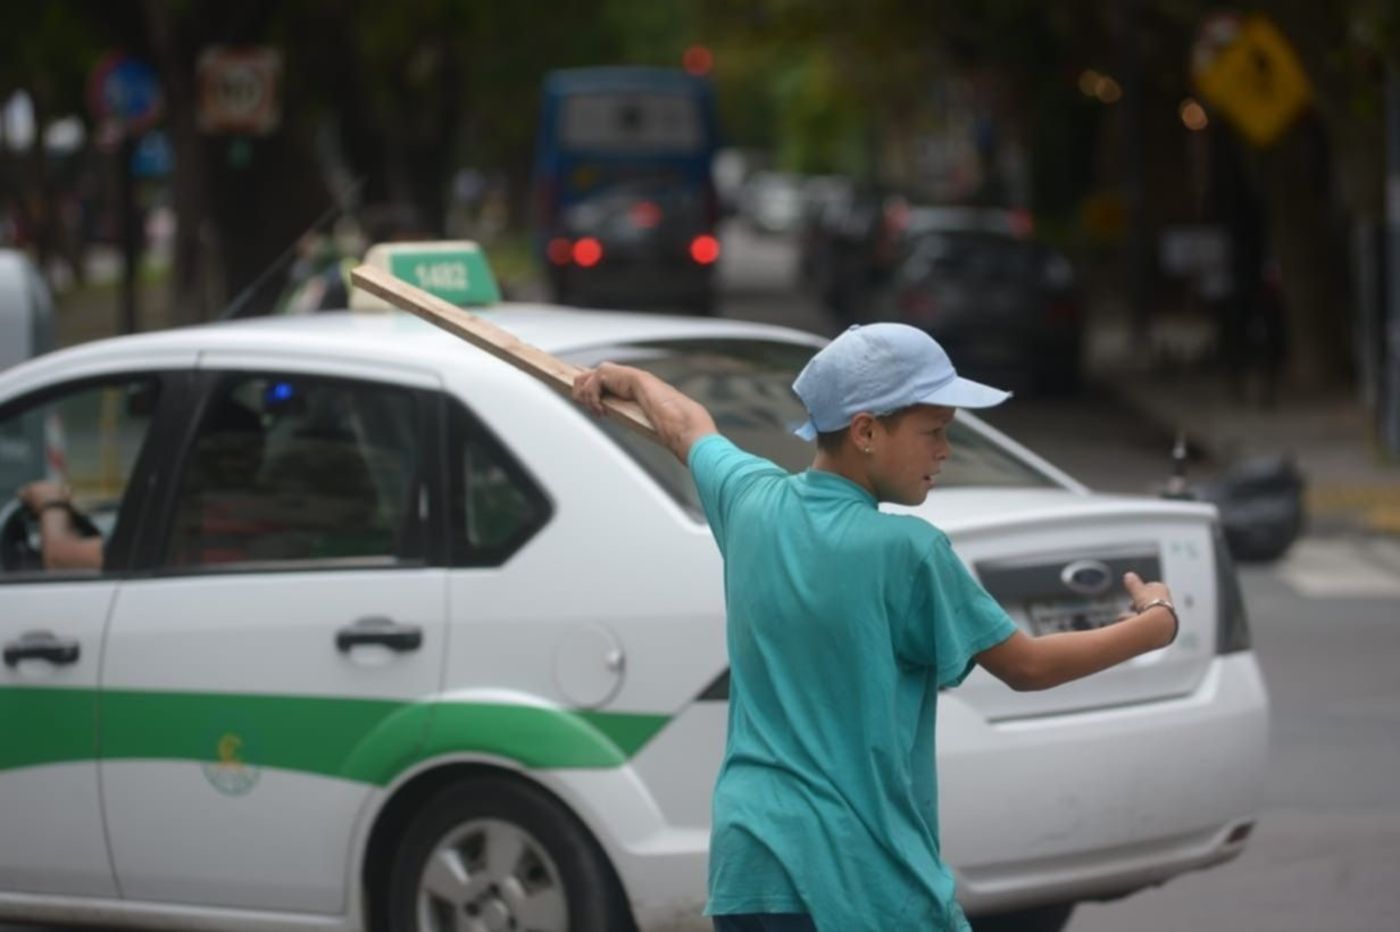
881,368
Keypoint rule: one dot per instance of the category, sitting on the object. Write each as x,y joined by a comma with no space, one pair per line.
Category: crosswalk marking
1333,567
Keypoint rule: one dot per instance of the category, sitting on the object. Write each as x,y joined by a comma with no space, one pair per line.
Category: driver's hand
35,495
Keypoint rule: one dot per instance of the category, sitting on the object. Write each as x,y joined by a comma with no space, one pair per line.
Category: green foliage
49,50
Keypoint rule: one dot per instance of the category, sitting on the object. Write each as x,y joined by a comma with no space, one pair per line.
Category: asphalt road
1326,622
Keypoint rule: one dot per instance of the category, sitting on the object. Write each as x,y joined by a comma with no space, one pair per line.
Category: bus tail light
559,251
588,252
704,249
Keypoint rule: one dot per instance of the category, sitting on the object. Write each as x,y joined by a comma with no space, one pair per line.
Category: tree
47,57
1324,172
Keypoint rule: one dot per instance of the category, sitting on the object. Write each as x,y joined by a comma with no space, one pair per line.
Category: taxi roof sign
454,270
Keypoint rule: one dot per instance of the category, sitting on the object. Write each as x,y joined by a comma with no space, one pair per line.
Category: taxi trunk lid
1055,560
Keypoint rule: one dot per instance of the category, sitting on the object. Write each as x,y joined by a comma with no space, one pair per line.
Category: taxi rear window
747,387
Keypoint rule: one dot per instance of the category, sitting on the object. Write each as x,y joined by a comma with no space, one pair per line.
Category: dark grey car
1004,306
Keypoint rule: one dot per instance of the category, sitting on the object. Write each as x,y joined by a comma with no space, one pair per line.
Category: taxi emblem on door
231,774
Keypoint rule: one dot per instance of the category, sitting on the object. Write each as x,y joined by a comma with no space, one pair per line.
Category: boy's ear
862,430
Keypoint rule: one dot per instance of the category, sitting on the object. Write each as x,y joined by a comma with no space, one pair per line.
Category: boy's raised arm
679,419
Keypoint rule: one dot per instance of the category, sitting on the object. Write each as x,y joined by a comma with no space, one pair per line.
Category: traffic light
698,60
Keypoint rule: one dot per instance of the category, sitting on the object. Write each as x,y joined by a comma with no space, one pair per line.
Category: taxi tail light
704,249
1232,621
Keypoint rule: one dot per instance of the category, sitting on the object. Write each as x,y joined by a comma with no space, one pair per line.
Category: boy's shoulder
717,453
919,534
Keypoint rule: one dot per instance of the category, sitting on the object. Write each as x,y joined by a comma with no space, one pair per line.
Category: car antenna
238,306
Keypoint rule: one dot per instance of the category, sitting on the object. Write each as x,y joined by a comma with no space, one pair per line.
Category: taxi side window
495,505
290,469
66,461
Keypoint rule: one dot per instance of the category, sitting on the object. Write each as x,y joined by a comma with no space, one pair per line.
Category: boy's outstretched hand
1024,662
1143,593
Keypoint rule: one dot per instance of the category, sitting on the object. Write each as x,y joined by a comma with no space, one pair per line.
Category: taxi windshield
747,387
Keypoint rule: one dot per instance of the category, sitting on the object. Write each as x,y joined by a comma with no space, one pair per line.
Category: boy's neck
848,464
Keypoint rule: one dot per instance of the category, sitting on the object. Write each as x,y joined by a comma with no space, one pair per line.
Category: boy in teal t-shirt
844,622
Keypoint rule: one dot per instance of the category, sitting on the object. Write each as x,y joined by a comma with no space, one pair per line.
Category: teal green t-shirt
843,623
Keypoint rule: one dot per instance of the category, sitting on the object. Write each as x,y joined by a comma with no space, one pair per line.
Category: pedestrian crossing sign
1246,69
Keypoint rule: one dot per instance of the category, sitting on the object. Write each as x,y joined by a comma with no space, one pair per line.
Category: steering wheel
21,539
20,546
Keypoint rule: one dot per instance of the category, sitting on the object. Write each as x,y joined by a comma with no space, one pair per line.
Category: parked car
848,244
385,633
824,198
771,202
1005,305
953,218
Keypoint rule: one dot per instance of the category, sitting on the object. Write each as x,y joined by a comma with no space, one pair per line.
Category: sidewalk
1352,485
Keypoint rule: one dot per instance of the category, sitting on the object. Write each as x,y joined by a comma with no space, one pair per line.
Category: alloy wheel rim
487,875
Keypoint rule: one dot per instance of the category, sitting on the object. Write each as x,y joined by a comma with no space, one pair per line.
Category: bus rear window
626,123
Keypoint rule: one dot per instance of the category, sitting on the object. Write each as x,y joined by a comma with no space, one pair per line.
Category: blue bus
626,208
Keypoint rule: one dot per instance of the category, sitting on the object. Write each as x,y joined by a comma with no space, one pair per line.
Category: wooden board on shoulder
481,333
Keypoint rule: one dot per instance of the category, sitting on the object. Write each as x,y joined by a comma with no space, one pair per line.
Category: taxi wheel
495,854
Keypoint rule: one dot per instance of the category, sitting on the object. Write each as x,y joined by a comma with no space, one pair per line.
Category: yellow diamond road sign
1245,68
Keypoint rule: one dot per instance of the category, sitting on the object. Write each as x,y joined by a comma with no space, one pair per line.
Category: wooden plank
485,335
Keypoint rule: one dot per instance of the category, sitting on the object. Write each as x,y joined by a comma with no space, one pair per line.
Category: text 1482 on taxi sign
447,275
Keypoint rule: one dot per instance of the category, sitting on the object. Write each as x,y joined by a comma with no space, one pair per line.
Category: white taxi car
386,635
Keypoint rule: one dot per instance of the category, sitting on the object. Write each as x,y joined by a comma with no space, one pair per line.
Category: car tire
499,849
1052,917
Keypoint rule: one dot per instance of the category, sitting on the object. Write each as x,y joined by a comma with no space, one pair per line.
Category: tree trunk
1308,238
41,207
175,62
245,200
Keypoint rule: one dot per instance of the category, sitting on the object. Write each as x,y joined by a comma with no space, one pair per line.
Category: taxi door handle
376,629
41,645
